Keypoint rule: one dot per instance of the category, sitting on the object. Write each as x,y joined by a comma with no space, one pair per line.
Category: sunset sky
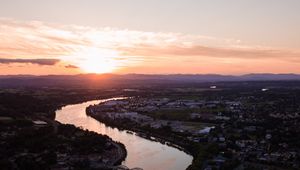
153,37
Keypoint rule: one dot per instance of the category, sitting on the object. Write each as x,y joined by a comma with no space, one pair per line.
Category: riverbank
114,157
141,152
164,137
30,136
39,145
111,158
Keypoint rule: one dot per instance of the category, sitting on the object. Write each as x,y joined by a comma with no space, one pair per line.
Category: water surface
141,152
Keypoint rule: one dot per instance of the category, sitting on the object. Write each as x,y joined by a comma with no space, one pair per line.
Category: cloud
38,39
29,61
71,66
216,52
73,44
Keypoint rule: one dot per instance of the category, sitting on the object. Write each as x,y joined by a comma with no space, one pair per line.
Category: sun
97,65
98,61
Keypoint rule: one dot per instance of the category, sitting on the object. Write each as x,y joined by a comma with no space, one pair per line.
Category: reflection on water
142,153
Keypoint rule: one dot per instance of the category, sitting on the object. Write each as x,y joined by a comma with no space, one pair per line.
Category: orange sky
154,37
34,47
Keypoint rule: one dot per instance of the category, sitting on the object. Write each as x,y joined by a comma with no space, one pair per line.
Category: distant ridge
271,76
263,76
101,79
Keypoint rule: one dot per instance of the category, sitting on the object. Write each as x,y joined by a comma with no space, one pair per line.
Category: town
256,130
62,147
31,139
225,125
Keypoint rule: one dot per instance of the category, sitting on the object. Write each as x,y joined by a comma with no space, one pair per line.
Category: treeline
44,102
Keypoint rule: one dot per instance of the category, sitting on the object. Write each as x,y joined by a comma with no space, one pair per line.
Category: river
141,152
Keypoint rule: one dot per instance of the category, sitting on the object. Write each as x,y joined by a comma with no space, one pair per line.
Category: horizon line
150,74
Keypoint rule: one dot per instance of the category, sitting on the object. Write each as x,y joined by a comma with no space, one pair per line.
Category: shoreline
143,134
120,147
146,135
122,153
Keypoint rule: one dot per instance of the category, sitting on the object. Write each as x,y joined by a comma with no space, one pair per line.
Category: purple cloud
30,61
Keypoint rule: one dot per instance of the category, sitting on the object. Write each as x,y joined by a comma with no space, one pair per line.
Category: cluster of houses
63,158
141,105
257,150
144,120
123,109
133,109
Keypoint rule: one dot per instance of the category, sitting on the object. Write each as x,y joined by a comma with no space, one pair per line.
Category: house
195,115
206,130
39,123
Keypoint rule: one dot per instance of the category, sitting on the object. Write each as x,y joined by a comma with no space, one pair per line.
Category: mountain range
105,79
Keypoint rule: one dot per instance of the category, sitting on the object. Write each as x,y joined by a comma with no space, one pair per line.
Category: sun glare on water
98,61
